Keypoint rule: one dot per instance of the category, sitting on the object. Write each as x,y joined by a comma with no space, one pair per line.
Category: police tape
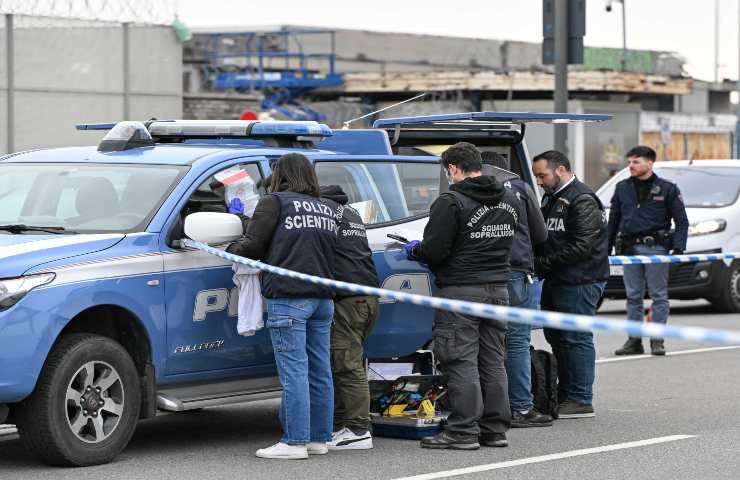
697,257
538,318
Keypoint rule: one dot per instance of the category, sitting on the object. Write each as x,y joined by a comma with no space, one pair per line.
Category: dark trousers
573,350
354,318
471,353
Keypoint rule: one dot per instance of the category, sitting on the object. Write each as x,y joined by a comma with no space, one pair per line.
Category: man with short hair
640,224
523,291
574,263
466,244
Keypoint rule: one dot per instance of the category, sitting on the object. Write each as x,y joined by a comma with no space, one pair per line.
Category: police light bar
125,136
236,128
200,128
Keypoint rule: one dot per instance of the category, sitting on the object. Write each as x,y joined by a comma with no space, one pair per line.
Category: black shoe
446,439
657,347
530,418
633,346
573,409
494,440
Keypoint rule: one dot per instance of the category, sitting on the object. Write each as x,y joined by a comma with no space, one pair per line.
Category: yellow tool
395,410
426,409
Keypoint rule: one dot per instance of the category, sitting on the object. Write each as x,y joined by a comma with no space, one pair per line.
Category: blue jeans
656,277
522,294
574,351
300,329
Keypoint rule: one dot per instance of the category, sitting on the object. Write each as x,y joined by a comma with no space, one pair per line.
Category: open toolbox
407,406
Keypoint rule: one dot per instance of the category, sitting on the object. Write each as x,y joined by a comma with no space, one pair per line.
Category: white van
710,190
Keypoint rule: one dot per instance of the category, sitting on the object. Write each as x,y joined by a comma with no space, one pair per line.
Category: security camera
609,5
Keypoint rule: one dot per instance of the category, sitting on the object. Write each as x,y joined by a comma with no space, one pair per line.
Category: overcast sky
683,26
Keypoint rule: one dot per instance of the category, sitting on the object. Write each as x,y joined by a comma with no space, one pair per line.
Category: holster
665,239
622,245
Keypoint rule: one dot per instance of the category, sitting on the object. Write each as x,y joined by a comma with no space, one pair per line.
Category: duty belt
649,240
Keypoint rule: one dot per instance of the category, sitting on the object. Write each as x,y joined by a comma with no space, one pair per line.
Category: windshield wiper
19,227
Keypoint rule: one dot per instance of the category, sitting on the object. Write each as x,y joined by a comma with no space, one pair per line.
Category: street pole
561,72
624,35
716,41
737,108
126,71
10,83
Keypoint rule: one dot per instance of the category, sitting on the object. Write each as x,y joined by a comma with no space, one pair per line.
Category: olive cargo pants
354,318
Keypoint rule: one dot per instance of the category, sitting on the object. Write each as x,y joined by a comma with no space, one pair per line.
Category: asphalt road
676,417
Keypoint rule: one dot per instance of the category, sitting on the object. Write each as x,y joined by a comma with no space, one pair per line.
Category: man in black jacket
354,317
467,243
524,292
574,263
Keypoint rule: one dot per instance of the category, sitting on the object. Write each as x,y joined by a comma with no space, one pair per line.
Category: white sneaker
317,448
284,451
346,439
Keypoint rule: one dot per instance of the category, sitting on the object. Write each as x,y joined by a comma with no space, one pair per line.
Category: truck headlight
706,226
13,289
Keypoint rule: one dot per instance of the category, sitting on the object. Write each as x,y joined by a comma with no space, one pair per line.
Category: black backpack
544,382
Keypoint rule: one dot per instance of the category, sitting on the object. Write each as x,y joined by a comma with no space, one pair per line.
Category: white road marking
546,458
669,354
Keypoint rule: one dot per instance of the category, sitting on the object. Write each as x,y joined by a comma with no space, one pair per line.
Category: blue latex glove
409,247
236,206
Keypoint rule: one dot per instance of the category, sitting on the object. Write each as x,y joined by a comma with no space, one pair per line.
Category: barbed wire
158,12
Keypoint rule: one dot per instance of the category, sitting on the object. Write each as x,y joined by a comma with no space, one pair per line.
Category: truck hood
20,253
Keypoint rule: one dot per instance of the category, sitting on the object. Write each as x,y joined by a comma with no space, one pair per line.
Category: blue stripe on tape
562,321
697,257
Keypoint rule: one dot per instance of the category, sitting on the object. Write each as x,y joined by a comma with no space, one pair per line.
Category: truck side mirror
213,227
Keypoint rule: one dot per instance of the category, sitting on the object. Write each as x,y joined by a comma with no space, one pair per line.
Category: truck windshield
701,187
89,198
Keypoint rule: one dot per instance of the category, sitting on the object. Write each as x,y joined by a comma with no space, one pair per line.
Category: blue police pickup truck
105,318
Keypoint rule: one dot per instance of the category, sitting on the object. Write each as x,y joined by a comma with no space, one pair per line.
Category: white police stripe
106,269
132,266
60,241
562,321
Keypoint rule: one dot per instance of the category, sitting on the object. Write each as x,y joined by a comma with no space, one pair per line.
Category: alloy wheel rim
94,402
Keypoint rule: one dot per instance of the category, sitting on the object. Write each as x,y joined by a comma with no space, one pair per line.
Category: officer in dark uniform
466,244
354,317
640,224
574,263
524,291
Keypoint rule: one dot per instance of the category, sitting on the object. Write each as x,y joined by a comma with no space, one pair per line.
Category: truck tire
86,403
728,300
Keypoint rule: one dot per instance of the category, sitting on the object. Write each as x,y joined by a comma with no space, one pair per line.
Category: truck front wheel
84,408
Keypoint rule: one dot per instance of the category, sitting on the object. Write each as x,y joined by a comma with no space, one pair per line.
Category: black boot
450,440
633,346
657,347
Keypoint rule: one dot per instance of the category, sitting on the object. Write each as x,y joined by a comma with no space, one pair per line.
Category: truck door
392,194
201,299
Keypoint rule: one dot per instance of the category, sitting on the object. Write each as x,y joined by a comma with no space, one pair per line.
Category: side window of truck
214,194
384,191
